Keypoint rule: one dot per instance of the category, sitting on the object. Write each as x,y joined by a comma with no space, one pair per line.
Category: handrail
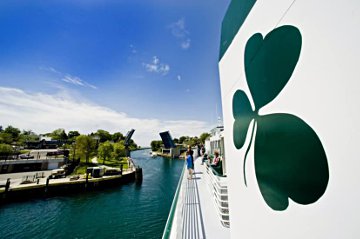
170,219
220,196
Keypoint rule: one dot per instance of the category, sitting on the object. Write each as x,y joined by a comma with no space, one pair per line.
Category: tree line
184,140
100,143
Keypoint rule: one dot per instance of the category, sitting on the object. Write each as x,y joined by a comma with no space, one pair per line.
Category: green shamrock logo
290,161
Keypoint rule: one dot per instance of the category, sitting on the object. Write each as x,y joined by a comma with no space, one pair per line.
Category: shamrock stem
247,151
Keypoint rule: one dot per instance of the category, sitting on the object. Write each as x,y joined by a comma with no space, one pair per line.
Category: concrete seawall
62,186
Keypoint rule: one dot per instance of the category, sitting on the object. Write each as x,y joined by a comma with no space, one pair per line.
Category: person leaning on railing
190,164
191,153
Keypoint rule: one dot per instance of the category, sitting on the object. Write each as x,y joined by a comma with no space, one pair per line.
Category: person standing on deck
191,153
202,150
198,150
189,164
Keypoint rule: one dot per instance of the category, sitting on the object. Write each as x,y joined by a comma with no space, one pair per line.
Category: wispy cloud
185,44
179,31
74,80
77,81
50,69
133,49
179,77
45,112
156,66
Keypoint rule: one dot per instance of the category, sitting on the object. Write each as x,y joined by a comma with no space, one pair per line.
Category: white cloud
178,28
179,77
186,44
156,66
43,113
179,31
74,80
77,81
50,69
133,49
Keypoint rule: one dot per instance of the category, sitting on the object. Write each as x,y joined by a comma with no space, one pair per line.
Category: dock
33,184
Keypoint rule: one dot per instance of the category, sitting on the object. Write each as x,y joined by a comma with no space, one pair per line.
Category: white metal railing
185,217
170,220
218,188
191,220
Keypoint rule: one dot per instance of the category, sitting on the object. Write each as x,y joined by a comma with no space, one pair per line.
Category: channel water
127,211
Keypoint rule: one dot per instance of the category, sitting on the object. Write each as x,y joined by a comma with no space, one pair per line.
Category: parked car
26,156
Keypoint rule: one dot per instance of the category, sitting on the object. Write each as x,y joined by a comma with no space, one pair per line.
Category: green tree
72,135
29,132
132,144
59,134
85,145
116,137
119,150
103,135
105,150
6,138
191,140
204,136
182,139
14,132
27,136
155,145
5,149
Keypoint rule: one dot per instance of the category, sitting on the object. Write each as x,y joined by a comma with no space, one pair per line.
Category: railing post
87,178
138,175
47,184
7,186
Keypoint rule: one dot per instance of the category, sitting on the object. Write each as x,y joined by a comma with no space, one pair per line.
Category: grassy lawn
115,163
81,168
24,151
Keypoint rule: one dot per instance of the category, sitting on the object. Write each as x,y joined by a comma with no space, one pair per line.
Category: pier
40,184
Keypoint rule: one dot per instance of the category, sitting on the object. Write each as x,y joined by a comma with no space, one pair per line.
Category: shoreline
65,186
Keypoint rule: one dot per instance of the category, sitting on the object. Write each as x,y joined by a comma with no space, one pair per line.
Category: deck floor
196,215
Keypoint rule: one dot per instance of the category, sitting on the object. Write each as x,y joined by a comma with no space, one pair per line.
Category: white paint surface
324,92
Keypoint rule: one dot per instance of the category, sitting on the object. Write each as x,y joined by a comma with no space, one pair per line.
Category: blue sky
139,61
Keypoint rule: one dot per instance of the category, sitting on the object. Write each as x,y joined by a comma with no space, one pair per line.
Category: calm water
130,211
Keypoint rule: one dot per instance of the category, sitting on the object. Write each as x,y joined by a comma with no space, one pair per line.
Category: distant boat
153,154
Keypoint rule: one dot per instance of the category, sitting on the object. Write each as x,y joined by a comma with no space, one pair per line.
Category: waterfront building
35,160
43,144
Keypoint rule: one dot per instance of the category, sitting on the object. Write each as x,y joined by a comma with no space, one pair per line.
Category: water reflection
128,211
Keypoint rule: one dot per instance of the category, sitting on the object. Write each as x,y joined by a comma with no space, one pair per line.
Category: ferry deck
200,206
